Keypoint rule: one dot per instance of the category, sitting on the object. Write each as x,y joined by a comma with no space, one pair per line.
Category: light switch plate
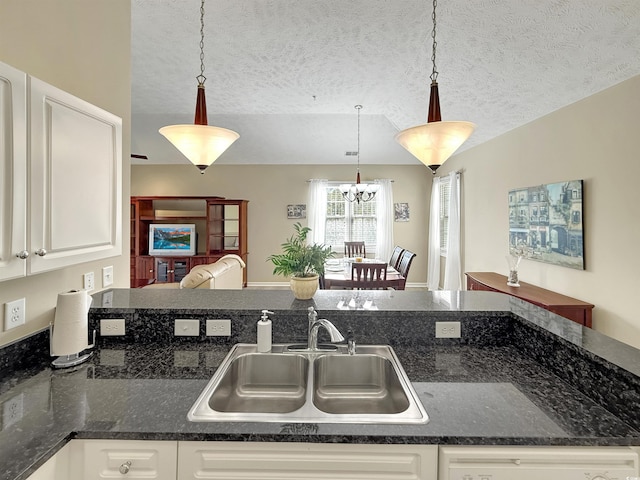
185,327
107,276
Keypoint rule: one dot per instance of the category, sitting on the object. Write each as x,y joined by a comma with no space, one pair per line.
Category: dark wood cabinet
568,307
221,227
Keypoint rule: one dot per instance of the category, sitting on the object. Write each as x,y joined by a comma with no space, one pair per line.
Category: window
349,221
445,190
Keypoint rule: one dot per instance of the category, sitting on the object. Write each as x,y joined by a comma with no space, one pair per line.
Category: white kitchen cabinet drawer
130,459
534,463
305,461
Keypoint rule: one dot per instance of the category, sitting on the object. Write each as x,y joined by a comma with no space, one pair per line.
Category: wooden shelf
221,225
568,307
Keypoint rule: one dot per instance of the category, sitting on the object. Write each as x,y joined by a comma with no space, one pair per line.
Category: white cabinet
13,171
533,463
130,459
305,461
73,213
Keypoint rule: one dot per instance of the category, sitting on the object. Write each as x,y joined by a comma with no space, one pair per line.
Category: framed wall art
545,223
297,211
401,212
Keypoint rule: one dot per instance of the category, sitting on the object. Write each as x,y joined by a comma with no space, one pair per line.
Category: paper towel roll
71,323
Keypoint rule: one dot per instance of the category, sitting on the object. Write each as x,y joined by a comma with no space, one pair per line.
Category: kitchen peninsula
519,375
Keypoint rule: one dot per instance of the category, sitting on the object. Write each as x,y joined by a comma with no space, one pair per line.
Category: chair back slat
354,249
369,276
395,257
405,263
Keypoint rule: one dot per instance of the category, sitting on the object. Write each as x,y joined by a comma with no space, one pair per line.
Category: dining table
337,274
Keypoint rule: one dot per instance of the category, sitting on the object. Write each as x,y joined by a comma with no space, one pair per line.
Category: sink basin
290,385
262,383
357,384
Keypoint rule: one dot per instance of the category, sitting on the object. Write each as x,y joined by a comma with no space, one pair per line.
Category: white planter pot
304,287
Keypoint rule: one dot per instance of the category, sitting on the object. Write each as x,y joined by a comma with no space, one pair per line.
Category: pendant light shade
435,141
200,143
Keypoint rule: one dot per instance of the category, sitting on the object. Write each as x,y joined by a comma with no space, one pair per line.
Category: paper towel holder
66,361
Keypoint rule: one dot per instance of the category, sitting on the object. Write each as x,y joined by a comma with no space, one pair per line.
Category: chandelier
435,141
358,192
200,143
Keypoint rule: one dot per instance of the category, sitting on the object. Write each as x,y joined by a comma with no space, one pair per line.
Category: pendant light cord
201,78
358,107
434,72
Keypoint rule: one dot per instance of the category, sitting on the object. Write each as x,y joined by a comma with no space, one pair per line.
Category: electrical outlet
447,329
107,276
89,281
111,326
186,327
12,410
14,314
219,328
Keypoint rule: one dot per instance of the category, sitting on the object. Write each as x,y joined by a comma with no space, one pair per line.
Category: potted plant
302,262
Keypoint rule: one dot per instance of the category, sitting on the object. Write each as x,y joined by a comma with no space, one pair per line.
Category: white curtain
316,210
384,208
433,259
453,267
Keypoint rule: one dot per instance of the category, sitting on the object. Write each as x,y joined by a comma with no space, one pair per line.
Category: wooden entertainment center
221,227
568,307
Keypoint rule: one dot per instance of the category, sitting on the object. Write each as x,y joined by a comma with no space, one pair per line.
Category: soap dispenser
264,332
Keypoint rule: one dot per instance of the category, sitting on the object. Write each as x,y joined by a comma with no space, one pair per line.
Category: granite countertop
485,393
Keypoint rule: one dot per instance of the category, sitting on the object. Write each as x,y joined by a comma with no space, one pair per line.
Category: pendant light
200,143
359,192
435,141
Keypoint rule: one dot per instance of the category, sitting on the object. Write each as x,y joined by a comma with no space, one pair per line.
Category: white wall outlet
447,329
14,314
219,328
111,326
107,276
89,281
184,327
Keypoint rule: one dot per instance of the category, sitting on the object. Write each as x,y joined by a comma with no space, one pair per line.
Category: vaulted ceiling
286,74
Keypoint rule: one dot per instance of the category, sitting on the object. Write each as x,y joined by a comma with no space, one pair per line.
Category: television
172,239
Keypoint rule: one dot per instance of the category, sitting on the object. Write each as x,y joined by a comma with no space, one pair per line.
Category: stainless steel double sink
293,385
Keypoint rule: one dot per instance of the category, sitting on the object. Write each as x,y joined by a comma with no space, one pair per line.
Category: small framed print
297,211
401,212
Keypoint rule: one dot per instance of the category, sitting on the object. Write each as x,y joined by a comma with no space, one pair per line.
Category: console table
568,307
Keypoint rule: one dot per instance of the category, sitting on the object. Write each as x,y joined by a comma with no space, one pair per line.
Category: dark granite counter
518,376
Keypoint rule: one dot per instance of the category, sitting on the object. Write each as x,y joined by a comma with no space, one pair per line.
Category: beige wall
270,188
82,47
597,140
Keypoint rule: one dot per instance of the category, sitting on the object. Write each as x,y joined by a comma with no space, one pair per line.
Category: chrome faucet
315,324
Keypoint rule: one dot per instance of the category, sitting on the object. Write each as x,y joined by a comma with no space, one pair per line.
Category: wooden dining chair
354,249
405,262
395,257
369,276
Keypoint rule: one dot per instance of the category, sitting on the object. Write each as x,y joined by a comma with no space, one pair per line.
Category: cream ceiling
286,74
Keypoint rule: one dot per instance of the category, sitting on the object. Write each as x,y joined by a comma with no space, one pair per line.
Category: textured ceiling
286,74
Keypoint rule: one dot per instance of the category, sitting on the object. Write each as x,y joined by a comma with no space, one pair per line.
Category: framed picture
545,223
297,211
401,212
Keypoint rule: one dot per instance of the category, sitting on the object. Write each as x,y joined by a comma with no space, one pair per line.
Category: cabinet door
170,269
76,180
13,168
130,459
305,461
